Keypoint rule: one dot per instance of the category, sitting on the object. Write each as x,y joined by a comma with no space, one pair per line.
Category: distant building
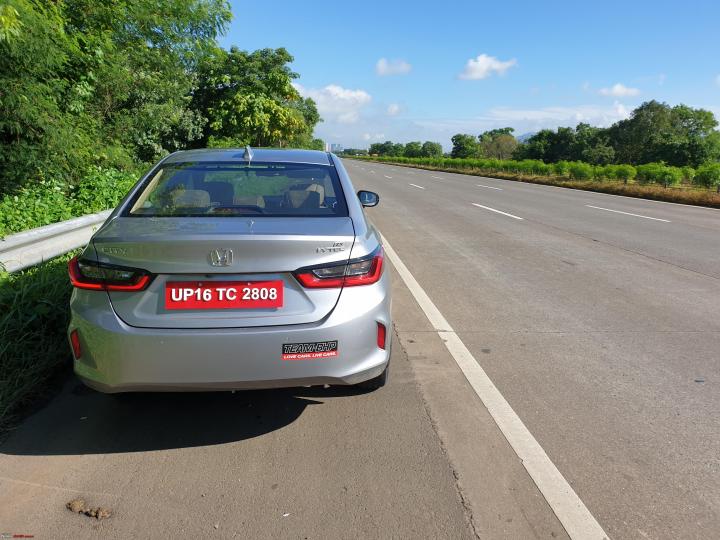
336,148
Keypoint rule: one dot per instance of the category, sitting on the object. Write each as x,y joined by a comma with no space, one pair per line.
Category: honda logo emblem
221,257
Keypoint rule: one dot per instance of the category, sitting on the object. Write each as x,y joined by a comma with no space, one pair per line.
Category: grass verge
34,353
697,197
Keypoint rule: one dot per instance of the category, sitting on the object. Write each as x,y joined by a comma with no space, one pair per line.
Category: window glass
230,189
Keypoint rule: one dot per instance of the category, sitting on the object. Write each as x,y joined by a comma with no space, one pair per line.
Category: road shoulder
496,490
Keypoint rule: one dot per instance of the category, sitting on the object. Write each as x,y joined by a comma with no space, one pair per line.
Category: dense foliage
411,149
665,143
655,132
114,84
52,200
248,98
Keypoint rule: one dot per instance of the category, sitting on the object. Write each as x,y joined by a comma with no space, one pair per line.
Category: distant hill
525,136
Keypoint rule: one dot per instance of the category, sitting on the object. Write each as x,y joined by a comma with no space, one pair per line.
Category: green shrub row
50,200
651,173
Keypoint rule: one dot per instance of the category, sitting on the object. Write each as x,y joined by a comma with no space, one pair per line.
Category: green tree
432,149
413,149
464,146
494,133
108,83
549,146
656,132
248,98
375,149
355,152
397,150
498,146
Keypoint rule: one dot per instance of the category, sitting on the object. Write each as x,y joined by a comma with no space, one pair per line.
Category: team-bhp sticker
309,351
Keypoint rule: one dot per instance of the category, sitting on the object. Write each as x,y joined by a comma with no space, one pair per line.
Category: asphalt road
594,325
407,461
598,319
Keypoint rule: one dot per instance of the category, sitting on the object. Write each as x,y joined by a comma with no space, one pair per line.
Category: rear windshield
232,189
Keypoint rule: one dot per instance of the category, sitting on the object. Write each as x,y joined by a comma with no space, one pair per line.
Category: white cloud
393,109
483,66
592,114
525,120
374,125
335,103
619,90
392,67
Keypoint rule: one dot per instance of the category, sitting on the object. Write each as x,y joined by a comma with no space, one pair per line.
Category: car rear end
226,271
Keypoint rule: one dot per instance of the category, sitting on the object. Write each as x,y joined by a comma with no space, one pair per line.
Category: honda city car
234,269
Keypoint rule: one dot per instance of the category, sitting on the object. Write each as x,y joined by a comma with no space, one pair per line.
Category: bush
659,173
33,321
50,201
649,173
580,171
625,172
561,168
708,175
671,176
688,173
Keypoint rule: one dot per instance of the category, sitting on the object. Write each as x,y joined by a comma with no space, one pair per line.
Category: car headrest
314,186
302,199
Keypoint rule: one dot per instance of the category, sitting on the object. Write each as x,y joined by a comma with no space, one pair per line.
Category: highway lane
601,328
692,243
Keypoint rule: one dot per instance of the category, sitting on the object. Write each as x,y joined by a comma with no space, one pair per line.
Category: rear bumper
120,358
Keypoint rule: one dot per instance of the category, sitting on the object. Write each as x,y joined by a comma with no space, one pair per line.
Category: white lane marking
437,177
415,185
489,187
386,176
579,523
496,211
627,213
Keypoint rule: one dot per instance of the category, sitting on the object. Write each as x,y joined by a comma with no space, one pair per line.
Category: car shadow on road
82,421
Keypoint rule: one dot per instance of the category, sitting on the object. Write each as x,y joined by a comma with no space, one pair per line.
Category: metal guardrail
28,248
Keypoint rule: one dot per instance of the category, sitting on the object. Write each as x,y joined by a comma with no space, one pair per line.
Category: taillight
75,342
106,277
362,271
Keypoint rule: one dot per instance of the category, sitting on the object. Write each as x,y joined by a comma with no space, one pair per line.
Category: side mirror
368,198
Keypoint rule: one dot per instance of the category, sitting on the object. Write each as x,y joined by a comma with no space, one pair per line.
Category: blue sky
464,67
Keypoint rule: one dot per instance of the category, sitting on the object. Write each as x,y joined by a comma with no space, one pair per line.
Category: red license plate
223,294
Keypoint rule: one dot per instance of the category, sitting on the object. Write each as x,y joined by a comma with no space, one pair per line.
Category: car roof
265,155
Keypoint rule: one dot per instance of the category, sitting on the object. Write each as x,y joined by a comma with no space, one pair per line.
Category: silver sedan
232,269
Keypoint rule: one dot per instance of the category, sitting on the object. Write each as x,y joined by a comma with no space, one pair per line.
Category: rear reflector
362,271
75,342
381,334
105,277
